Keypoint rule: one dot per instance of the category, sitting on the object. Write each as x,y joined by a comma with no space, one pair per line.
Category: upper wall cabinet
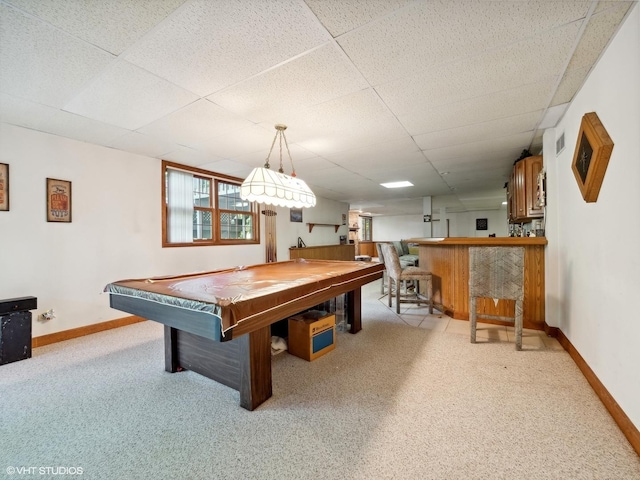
522,190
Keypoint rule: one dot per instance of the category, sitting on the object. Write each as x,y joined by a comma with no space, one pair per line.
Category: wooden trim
494,241
187,168
626,426
324,252
43,340
215,211
550,331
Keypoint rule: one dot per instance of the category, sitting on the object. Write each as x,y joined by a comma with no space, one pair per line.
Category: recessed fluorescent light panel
397,184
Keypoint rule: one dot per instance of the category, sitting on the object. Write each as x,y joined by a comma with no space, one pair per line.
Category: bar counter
448,260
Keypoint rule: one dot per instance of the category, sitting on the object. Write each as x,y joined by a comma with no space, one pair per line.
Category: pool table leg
254,358
243,364
171,362
354,315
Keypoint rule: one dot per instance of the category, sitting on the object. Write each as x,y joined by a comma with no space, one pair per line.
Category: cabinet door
533,168
520,191
511,206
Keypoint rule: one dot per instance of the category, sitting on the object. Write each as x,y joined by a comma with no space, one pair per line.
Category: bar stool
397,274
498,273
384,272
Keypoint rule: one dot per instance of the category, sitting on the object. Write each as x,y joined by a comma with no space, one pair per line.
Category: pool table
218,323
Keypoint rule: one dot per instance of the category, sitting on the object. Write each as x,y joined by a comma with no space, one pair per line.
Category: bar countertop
448,261
479,241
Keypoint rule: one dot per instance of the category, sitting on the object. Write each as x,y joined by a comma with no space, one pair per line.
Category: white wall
593,259
397,227
463,224
115,232
326,212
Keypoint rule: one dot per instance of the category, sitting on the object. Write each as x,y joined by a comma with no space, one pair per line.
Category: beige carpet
395,401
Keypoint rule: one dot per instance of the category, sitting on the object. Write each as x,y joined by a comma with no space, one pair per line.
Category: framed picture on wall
482,224
295,215
4,187
58,200
591,156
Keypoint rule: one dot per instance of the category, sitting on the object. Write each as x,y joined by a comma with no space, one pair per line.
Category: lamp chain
266,162
280,133
293,169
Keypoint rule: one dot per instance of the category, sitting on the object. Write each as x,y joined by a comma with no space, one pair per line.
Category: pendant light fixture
264,185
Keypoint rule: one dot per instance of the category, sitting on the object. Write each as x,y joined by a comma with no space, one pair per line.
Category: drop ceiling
445,94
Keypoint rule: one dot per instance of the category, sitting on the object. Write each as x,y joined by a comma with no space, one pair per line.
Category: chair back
496,272
379,249
391,260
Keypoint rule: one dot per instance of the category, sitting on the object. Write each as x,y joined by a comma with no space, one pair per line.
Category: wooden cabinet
533,167
522,190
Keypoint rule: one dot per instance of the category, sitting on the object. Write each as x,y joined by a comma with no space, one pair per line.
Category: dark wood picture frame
4,187
295,215
591,156
58,200
482,224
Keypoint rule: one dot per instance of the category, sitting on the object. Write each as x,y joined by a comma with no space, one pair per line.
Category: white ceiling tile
316,77
340,16
112,25
80,128
597,35
143,144
195,123
353,111
485,159
23,113
207,46
569,85
529,98
299,155
190,156
129,97
472,150
308,167
480,131
426,34
348,122
42,64
229,167
240,141
531,60
397,150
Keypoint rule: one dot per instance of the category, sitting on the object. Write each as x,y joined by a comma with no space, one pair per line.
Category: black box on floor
15,337
15,328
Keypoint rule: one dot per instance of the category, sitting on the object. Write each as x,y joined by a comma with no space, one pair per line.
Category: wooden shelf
311,225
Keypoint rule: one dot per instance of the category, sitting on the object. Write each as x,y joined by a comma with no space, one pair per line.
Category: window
366,224
205,208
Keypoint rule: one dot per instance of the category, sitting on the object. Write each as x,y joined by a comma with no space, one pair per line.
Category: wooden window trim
214,176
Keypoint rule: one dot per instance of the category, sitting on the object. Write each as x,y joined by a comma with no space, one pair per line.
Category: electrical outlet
48,315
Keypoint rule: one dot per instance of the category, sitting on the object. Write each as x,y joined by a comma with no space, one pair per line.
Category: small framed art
58,200
4,187
295,215
591,156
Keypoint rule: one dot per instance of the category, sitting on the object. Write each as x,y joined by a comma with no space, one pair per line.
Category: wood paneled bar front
324,252
448,261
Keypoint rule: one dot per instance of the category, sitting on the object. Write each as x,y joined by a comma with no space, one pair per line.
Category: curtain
179,207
